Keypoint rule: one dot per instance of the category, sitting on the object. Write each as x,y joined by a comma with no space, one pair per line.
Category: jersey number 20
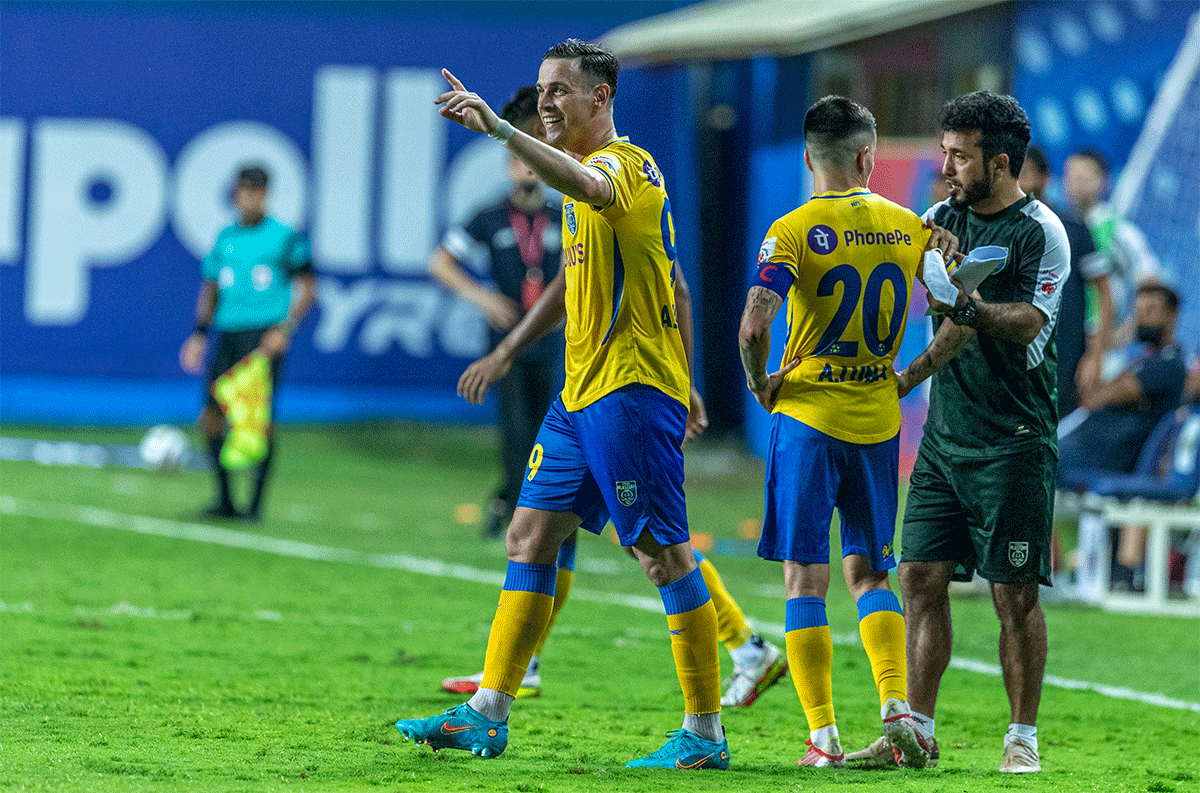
831,342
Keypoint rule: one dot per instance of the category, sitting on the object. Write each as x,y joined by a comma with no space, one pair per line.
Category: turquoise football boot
686,750
460,727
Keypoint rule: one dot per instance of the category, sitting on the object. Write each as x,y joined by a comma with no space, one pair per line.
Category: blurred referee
247,297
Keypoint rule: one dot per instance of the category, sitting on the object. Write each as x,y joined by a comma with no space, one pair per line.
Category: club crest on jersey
652,174
822,239
569,214
627,492
1018,553
767,250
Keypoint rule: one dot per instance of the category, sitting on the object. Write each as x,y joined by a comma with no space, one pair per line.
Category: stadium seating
1159,494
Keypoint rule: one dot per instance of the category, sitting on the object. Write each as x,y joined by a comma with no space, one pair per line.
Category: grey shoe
881,752
1020,758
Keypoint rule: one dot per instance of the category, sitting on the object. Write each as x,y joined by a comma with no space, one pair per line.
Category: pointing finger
454,81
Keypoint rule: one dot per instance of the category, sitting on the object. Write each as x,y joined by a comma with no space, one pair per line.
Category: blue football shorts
808,474
617,458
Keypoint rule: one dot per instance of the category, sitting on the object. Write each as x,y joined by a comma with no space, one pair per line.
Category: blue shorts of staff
617,458
808,474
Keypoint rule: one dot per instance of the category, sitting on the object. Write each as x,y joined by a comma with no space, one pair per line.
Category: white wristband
503,131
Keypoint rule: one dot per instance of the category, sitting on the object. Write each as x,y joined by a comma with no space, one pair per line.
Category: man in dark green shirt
981,495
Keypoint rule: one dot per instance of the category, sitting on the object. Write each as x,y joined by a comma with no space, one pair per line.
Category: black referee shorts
231,347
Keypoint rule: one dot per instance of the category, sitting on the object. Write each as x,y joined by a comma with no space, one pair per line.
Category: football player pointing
610,445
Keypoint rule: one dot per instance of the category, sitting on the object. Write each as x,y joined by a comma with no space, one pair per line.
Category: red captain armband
777,279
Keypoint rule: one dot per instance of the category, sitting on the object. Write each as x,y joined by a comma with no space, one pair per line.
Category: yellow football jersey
620,272
853,255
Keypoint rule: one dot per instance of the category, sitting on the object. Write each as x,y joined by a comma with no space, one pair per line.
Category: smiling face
567,102
966,172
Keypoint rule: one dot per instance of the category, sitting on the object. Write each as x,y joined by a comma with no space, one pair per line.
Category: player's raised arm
555,168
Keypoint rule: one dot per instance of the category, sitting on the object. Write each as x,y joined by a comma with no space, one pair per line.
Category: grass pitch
140,651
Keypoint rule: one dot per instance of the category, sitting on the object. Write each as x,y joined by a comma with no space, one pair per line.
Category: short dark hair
1002,124
1169,296
253,176
522,107
593,60
1096,156
1035,155
832,127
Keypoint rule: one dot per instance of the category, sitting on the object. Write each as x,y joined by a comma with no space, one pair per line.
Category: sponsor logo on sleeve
767,250
822,239
605,161
1047,283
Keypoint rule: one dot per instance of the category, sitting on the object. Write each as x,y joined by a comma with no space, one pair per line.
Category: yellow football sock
881,626
732,629
562,588
694,645
692,620
521,616
810,657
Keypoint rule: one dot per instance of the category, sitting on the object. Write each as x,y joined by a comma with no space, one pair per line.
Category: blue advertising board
122,125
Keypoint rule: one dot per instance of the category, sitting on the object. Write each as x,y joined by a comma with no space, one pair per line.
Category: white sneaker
910,747
828,756
748,682
1020,758
531,685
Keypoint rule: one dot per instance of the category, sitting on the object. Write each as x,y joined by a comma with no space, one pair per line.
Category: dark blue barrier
121,126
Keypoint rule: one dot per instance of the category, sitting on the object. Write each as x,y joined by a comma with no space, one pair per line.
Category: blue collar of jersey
856,191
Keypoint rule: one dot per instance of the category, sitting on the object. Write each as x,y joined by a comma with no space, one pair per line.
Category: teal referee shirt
253,267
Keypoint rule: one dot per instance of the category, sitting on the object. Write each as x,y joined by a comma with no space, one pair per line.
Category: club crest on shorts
1018,553
569,212
627,492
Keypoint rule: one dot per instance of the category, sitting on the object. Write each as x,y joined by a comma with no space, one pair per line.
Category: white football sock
491,703
749,653
1026,732
705,725
820,738
924,724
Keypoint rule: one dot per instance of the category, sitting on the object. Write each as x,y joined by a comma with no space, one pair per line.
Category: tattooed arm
754,340
949,340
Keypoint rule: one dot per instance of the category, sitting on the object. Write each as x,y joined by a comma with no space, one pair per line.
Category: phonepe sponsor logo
822,239
99,192
894,237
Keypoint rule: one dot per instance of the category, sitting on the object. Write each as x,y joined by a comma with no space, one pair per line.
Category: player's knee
663,564
922,582
861,584
1015,603
534,537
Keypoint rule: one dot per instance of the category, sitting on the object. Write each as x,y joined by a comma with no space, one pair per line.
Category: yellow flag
244,393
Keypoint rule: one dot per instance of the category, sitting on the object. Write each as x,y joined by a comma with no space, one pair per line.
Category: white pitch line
198,532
